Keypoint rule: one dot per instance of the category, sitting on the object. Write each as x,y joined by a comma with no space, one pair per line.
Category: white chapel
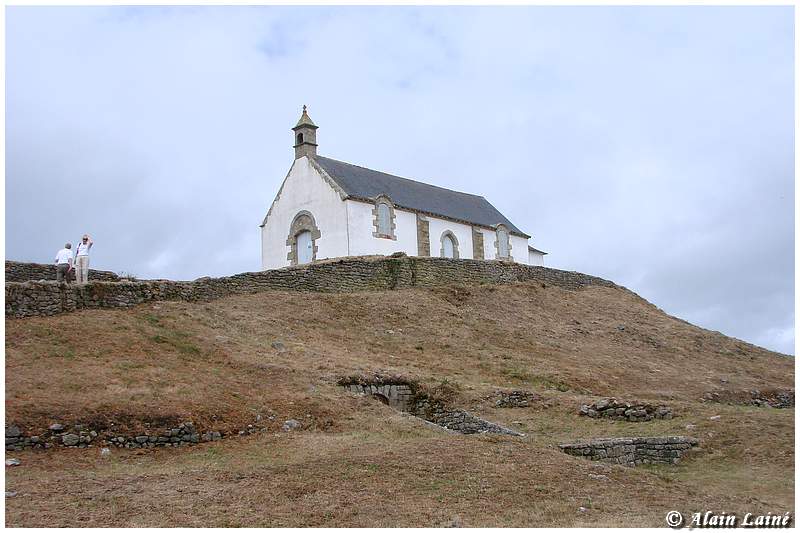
327,208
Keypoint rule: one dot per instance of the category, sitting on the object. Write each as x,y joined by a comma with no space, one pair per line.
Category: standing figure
64,263
82,259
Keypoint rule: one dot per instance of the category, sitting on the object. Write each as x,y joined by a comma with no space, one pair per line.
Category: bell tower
305,136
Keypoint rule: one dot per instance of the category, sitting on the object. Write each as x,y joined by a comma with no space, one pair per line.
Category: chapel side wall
360,218
463,233
304,190
519,246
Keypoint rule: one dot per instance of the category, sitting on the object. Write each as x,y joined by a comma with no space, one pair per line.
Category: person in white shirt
64,263
82,259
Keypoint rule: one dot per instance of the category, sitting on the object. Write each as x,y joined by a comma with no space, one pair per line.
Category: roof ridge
403,178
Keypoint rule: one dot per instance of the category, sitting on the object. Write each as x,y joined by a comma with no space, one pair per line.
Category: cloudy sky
651,146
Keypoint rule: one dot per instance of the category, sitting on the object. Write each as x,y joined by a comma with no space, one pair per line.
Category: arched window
449,245
299,138
502,243
383,220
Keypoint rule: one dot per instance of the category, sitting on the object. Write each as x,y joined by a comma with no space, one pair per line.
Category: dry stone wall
631,411
37,298
19,272
458,419
633,451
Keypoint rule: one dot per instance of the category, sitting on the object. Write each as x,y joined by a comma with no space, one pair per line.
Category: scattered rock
715,417
582,509
13,462
599,477
456,520
56,427
690,426
13,431
11,493
278,345
70,439
105,452
291,424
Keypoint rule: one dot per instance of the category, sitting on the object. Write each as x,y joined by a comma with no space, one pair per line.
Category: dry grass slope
358,463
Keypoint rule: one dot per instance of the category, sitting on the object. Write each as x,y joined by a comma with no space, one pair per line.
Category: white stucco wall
304,190
463,234
360,218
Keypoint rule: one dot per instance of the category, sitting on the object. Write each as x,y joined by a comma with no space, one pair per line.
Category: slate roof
366,184
531,248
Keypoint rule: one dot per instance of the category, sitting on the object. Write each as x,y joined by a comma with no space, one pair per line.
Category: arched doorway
302,239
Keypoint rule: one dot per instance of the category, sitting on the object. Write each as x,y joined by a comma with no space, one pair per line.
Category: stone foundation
629,411
38,298
633,451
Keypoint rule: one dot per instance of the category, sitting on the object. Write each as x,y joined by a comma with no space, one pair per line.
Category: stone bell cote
305,136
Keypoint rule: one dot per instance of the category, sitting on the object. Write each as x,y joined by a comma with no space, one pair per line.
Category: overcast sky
651,146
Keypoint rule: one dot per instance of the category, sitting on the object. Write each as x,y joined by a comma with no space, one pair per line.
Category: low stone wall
34,298
81,436
19,272
458,419
633,451
632,411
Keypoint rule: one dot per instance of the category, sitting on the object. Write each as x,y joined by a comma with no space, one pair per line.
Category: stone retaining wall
458,419
34,298
19,272
404,395
633,451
